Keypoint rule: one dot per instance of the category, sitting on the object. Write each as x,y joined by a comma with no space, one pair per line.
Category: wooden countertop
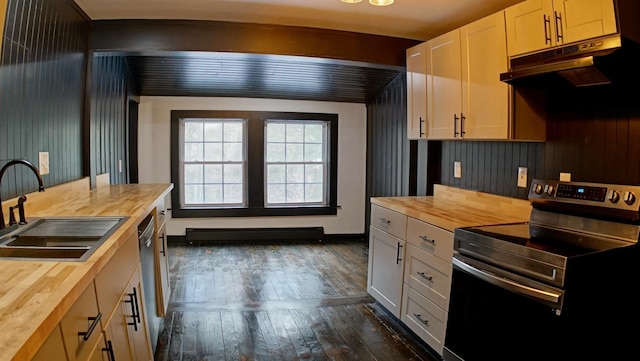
35,295
451,207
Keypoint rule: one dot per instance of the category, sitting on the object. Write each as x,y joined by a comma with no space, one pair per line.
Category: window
213,162
296,162
245,163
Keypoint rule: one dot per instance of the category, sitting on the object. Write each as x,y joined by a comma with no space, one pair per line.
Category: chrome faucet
4,169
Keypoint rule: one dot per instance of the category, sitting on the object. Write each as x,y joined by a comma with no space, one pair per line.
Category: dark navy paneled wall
592,133
492,167
44,105
388,149
42,80
111,85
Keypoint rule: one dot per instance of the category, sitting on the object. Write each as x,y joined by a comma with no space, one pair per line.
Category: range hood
596,61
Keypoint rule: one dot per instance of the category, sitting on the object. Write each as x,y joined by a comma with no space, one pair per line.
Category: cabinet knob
629,198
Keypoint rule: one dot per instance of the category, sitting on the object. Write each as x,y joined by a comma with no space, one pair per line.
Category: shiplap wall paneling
110,88
388,146
42,91
491,166
390,154
594,134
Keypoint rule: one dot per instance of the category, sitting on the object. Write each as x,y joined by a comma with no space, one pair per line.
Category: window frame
255,153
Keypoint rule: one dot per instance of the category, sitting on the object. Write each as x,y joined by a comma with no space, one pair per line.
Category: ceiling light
380,2
351,1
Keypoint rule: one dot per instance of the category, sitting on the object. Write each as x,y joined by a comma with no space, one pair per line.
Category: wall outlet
565,177
522,177
43,163
457,170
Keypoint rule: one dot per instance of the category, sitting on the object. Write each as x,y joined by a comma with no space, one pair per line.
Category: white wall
155,163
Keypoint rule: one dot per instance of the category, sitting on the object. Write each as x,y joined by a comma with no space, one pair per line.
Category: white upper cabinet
538,24
465,97
444,86
485,99
417,92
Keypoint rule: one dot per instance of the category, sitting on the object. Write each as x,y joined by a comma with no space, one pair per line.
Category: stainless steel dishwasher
147,261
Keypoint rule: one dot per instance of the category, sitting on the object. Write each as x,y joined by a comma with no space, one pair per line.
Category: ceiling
410,19
290,78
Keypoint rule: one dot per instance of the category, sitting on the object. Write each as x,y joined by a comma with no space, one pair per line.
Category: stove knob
614,196
537,188
549,190
629,198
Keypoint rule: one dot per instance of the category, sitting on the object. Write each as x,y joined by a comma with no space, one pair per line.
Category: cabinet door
139,335
444,85
386,268
583,19
127,330
485,99
52,349
163,287
530,26
81,326
417,92
117,331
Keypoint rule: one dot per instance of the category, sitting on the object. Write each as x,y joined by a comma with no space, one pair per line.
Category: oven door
495,315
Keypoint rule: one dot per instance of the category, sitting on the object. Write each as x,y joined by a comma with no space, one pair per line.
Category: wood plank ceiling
215,74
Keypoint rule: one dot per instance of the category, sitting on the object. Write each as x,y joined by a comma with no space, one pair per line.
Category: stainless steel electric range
559,287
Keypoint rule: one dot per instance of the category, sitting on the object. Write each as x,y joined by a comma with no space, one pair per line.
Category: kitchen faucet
4,169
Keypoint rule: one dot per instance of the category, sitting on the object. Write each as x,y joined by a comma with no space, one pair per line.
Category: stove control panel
595,194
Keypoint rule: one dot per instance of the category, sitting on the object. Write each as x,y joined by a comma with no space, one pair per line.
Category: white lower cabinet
386,269
411,277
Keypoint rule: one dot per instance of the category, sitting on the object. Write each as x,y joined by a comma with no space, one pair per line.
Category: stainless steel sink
58,239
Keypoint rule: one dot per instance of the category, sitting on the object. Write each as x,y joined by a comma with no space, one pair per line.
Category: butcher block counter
451,207
35,295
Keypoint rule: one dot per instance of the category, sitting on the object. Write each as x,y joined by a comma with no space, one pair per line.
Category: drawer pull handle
427,239
162,251
109,351
94,322
135,310
398,259
423,275
384,220
419,317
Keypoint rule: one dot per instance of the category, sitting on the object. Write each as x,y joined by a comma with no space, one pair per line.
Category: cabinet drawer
389,221
81,326
424,318
431,239
113,278
428,275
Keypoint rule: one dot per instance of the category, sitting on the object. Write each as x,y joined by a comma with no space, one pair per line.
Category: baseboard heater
253,234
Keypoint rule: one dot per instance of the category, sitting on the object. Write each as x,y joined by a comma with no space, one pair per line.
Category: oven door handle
507,284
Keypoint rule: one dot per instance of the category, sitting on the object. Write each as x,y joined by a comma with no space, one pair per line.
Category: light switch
522,177
43,163
457,170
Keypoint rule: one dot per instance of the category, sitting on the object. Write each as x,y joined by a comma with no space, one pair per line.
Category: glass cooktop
559,242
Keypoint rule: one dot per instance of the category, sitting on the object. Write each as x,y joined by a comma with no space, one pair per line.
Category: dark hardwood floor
277,301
